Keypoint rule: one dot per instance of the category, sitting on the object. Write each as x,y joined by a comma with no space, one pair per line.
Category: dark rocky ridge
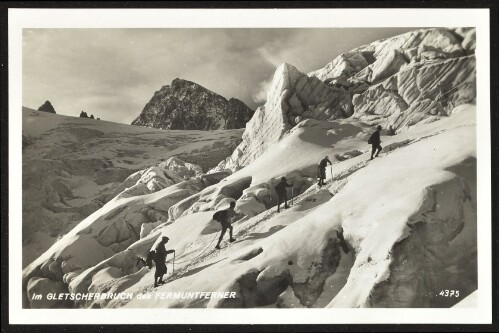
46,107
185,105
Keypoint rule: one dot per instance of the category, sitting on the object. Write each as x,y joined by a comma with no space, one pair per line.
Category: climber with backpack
375,141
282,193
159,257
321,170
224,217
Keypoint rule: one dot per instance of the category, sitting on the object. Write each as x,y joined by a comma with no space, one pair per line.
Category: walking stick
331,172
292,194
173,263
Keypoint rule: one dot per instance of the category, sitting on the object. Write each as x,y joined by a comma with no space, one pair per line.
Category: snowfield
73,166
390,232
371,238
429,200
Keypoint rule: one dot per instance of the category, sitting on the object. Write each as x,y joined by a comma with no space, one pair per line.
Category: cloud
260,96
269,57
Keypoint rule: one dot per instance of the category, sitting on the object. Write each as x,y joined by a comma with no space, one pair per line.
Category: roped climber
321,172
375,141
224,217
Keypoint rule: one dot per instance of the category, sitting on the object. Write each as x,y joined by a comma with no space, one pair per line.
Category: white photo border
20,19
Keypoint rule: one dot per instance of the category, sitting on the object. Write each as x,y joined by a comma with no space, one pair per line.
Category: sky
113,73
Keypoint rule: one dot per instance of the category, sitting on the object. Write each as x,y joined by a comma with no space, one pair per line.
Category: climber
282,193
224,217
159,260
375,141
321,172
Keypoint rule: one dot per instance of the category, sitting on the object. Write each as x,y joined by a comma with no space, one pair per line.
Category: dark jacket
375,139
323,163
223,215
281,188
161,254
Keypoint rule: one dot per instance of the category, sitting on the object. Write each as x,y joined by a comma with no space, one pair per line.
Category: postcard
181,166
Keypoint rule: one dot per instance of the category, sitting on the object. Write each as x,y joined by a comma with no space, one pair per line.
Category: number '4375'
449,293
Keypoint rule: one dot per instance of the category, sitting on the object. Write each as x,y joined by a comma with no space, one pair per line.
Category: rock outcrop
187,105
46,107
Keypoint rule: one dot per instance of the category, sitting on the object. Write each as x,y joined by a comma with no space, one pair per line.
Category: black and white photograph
287,165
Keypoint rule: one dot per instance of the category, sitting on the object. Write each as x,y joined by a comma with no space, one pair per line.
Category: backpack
150,258
218,215
279,187
370,141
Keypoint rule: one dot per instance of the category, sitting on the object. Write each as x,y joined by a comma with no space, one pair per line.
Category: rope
199,255
173,276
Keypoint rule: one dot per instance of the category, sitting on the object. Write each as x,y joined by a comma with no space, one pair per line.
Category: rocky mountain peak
186,105
46,107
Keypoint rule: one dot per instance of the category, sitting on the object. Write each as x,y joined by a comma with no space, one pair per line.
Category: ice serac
187,105
372,62
344,65
469,38
419,93
114,227
291,98
415,77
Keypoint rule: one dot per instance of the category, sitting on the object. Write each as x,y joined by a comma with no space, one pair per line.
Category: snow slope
366,227
72,166
407,233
